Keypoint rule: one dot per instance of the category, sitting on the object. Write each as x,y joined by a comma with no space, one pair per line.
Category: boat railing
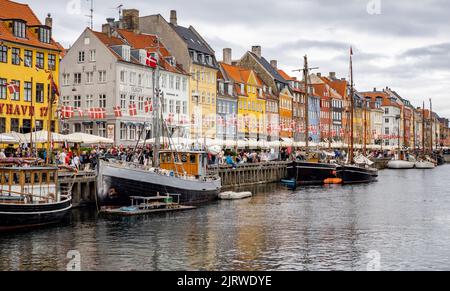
6,196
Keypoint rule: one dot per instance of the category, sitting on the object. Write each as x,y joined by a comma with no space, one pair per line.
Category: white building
107,70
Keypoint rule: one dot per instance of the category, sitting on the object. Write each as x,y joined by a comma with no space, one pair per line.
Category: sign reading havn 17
22,110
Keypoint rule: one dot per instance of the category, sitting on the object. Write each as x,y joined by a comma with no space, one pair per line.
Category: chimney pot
173,17
319,75
49,20
274,64
227,56
332,75
257,50
375,89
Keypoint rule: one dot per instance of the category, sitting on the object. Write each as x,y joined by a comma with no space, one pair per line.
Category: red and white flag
117,111
148,106
132,109
151,61
80,112
97,113
13,87
67,112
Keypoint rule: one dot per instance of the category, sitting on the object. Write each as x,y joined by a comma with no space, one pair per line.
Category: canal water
400,223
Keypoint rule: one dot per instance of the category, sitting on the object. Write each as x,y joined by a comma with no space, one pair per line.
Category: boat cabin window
184,158
193,159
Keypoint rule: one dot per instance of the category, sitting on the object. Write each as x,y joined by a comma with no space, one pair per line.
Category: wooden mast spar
351,154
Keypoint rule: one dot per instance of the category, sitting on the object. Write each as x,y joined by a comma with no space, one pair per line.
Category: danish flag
67,112
151,61
13,87
117,111
148,106
132,109
97,113
80,112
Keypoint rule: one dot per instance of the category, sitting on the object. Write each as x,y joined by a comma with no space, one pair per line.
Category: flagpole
31,108
49,121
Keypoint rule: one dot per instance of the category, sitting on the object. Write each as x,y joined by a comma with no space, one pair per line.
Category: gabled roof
14,10
192,39
386,100
240,75
268,67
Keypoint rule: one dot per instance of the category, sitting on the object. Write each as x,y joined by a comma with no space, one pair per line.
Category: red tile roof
13,10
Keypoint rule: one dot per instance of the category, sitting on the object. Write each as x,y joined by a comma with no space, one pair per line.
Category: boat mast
156,111
49,120
31,132
330,135
306,76
351,107
423,129
431,126
365,127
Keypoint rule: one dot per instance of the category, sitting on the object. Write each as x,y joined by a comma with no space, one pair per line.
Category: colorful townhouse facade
29,61
194,55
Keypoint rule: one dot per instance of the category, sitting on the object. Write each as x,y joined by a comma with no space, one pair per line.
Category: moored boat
31,197
425,165
355,174
400,164
309,173
235,195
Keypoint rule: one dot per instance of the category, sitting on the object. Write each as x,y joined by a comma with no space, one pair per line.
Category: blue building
314,118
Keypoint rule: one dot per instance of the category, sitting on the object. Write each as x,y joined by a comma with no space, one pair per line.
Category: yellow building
251,109
203,96
28,55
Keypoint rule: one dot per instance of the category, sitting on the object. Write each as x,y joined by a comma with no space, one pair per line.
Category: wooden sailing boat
352,173
31,195
308,172
174,172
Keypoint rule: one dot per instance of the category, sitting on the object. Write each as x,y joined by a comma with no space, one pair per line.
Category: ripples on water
405,217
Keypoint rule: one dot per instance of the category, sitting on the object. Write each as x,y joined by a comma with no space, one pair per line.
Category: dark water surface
400,223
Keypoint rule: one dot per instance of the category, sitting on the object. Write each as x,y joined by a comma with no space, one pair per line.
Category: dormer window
19,29
44,35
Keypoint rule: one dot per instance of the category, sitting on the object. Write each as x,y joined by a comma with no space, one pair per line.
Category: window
184,84
123,77
66,100
77,127
123,131
177,83
141,103
163,81
19,29
40,60
132,132
171,106
77,101
51,62
44,35
15,56
3,89
102,76
386,120
89,101
89,77
184,107
386,130
39,92
386,110
88,128
102,101
132,99
171,82
102,129
3,54
123,101
15,125
81,56
92,55
139,80
28,91
164,105
77,78
2,125
132,78
16,96
66,79
28,60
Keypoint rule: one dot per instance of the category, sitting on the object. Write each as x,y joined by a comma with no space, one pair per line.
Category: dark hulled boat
355,174
31,197
309,173
185,175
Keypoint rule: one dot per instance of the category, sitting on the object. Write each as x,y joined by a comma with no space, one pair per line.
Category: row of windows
20,125
173,82
251,105
27,91
27,59
201,58
204,98
82,56
225,107
285,104
89,77
19,29
202,76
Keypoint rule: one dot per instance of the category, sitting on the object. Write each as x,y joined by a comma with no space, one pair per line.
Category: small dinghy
399,164
425,165
235,195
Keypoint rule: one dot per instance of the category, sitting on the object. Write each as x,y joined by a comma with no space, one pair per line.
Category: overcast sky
402,44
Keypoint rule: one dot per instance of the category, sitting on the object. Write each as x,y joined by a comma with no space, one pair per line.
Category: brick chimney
130,20
173,17
49,20
332,75
108,26
227,53
319,75
274,64
375,89
257,50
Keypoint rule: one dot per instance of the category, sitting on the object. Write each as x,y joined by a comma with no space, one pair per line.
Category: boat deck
120,212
